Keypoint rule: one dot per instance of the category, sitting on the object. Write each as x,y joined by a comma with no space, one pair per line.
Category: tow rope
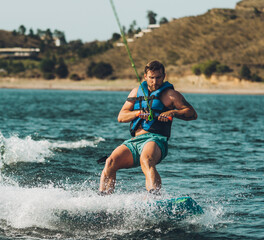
150,116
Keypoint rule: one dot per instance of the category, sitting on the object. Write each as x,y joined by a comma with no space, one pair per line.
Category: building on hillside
57,42
139,35
120,44
146,30
18,52
153,26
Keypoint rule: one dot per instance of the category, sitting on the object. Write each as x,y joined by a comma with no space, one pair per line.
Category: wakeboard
176,208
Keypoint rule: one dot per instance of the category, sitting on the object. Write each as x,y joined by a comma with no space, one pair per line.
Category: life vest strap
141,98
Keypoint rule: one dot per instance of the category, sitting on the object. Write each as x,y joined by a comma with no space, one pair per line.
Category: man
149,144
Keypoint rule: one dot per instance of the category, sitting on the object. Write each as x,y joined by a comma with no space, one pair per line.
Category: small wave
15,149
77,144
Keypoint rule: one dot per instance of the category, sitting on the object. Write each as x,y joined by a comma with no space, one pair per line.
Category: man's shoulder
170,94
133,92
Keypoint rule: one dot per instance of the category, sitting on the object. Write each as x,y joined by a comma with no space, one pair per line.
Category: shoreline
185,84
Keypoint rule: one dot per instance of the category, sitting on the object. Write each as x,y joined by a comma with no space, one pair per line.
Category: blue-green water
50,141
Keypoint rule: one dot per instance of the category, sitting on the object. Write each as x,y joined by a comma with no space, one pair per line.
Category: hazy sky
93,19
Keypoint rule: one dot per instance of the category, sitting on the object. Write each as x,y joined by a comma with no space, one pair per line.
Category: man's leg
121,157
150,156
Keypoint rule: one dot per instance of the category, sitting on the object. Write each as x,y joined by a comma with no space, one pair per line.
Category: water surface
49,144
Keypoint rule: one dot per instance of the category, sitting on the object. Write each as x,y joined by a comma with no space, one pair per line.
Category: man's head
154,75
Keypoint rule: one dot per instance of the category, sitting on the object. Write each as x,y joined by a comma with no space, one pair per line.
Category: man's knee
110,164
147,161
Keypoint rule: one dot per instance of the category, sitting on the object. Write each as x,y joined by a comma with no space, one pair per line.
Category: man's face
154,79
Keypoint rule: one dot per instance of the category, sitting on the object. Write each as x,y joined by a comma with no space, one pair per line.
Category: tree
47,65
132,28
209,67
256,78
245,72
221,68
16,67
48,37
40,33
14,33
62,69
75,77
60,35
100,70
22,30
115,37
75,44
89,71
31,33
151,16
163,20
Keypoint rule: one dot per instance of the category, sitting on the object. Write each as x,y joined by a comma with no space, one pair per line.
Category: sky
91,20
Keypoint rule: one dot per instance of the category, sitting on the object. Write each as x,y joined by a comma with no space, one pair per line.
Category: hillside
231,36
250,5
8,39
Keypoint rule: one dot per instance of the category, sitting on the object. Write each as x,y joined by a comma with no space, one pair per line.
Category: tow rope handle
154,117
150,117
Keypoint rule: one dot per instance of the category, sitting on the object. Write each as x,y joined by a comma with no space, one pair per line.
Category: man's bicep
179,102
129,104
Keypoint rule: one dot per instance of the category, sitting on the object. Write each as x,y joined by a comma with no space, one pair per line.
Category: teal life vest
154,126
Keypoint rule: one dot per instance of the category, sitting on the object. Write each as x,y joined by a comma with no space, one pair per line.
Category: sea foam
15,149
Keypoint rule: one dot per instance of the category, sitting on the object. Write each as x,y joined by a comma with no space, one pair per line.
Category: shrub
100,70
12,67
256,78
3,64
196,69
75,77
220,68
163,21
62,69
245,72
47,65
209,67
48,76
17,67
89,71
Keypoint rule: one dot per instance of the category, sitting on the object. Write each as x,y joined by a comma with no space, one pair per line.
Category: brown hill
251,5
231,36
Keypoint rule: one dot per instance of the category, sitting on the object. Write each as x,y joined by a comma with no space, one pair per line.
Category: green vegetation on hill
221,41
231,37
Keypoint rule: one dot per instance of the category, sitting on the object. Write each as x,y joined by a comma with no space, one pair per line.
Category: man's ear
145,76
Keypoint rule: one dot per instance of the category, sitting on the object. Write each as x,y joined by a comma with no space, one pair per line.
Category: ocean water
50,142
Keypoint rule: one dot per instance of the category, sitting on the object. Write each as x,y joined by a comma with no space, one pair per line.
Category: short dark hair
154,66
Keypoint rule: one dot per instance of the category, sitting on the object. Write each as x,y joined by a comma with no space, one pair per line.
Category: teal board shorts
136,145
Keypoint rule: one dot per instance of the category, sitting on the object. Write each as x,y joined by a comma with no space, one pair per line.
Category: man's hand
143,115
166,116
163,117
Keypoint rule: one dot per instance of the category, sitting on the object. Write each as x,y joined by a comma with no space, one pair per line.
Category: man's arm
126,113
180,107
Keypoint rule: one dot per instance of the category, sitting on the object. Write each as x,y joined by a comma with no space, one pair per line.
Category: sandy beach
185,84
